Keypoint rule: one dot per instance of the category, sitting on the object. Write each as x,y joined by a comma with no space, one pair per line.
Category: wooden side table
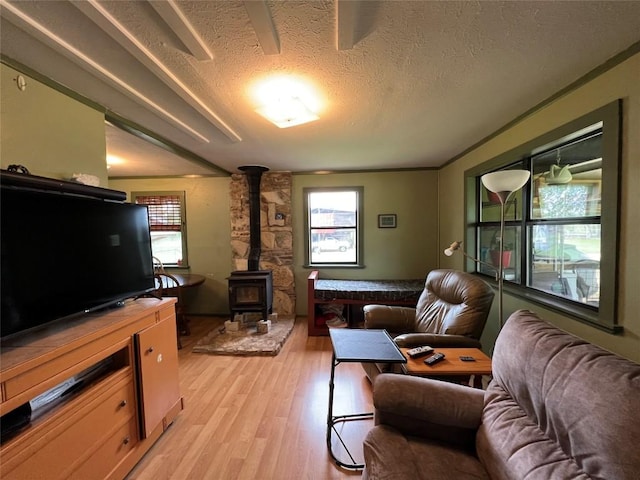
451,366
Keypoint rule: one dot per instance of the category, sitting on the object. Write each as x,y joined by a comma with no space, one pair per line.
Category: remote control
419,352
466,358
435,358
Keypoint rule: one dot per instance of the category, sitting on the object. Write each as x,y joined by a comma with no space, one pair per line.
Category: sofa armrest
428,408
435,340
391,318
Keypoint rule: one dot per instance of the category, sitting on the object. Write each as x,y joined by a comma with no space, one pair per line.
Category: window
560,240
167,220
333,225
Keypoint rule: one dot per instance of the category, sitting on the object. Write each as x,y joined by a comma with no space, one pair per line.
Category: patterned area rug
246,341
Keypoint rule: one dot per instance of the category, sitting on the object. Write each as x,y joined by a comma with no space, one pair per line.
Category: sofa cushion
558,407
389,455
512,446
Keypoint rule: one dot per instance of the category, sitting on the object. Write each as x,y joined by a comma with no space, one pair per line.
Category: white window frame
359,192
138,197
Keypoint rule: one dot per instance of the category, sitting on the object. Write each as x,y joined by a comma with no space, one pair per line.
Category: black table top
364,345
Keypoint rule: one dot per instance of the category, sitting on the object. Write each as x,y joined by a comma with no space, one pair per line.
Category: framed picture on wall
387,220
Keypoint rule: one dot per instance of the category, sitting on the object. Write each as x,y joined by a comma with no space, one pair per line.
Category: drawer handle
126,441
123,403
150,350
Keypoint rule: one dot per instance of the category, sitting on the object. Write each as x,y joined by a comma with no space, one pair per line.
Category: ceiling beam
142,133
262,22
101,17
37,30
173,16
346,22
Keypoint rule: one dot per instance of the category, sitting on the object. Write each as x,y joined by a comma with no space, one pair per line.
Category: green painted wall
622,81
208,234
48,132
408,251
56,136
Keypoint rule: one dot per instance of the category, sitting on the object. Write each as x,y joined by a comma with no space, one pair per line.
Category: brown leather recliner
451,312
556,408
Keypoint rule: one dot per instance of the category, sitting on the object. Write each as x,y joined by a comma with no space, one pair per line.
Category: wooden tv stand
100,428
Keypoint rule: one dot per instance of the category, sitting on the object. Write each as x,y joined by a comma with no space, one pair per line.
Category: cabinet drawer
110,453
70,434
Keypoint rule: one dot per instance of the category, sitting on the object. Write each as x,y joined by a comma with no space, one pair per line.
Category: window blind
165,211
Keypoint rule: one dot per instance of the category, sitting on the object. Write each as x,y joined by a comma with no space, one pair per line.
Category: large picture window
333,225
561,229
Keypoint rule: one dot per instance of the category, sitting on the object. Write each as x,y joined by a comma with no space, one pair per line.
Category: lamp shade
505,180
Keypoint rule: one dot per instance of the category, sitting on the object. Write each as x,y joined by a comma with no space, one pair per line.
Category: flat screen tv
65,254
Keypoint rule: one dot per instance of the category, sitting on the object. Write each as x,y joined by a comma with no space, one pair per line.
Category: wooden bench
356,292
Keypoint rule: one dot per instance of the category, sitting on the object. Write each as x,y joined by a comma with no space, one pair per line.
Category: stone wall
275,229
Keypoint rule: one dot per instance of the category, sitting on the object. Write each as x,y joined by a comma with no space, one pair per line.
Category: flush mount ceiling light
287,112
286,102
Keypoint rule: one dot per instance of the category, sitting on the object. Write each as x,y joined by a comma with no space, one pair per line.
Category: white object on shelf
86,179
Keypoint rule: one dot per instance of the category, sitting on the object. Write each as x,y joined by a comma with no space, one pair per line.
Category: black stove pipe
254,175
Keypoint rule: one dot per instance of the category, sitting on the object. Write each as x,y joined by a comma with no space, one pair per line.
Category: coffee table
451,366
362,346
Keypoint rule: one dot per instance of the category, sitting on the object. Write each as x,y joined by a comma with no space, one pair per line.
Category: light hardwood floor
259,417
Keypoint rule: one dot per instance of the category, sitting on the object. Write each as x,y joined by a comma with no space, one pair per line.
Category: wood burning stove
252,290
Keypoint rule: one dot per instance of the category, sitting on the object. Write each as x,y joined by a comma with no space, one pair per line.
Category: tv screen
65,254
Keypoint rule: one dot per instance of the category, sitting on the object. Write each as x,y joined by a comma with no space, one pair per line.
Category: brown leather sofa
556,408
451,312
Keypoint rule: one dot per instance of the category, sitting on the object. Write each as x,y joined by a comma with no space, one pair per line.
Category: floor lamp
503,184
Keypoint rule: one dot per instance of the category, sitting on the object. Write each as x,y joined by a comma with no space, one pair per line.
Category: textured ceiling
413,84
